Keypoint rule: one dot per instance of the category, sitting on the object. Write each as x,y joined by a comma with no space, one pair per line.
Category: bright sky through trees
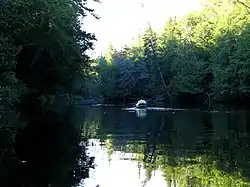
123,20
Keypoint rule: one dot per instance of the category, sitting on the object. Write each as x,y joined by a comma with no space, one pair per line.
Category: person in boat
141,103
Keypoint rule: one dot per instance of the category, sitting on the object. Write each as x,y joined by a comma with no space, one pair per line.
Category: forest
43,56
202,57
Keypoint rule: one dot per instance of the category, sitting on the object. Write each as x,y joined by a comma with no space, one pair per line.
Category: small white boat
141,104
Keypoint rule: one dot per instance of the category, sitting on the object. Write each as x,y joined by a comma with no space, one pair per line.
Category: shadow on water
48,151
190,148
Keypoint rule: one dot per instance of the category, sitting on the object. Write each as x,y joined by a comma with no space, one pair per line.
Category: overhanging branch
244,4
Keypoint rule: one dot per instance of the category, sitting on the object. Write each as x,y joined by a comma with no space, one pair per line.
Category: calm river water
110,147
182,148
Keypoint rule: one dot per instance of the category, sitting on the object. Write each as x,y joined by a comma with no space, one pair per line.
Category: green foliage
205,53
42,46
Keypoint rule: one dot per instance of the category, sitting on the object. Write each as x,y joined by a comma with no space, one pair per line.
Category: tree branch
244,4
158,67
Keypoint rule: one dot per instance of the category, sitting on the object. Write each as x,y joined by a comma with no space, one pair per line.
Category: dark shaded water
131,149
48,151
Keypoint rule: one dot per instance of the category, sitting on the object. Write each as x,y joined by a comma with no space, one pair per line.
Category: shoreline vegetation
201,58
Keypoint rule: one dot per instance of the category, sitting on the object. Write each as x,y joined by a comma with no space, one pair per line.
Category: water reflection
187,148
121,169
141,113
48,151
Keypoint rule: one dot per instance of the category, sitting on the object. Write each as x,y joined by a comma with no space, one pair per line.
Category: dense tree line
42,48
205,54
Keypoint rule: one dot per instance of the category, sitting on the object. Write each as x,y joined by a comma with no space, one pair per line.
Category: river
181,148
109,147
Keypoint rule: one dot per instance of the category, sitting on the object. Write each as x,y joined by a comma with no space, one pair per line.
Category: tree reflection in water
48,151
191,148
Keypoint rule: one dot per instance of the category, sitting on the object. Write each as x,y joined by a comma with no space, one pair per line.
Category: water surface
181,148
127,149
